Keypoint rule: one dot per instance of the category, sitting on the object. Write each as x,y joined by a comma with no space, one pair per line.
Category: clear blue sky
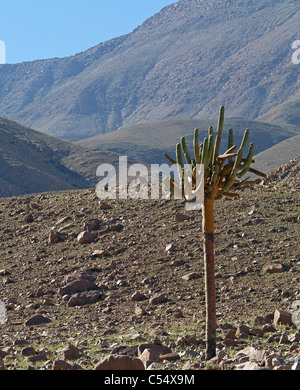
36,29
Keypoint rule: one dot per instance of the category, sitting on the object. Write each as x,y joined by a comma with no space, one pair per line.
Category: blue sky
36,29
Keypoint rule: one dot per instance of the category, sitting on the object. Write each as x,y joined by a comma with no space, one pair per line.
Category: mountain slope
185,61
278,154
32,162
148,141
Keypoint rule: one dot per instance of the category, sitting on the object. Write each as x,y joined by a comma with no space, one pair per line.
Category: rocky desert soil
85,281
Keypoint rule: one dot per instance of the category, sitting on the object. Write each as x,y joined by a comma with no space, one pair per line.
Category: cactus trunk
209,270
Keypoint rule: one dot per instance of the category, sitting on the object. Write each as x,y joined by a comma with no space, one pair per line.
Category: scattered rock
28,351
55,237
99,253
78,286
137,296
120,362
148,357
190,276
274,268
85,238
84,298
37,320
92,224
157,299
69,353
116,228
61,364
104,206
170,356
282,317
180,217
170,248
157,349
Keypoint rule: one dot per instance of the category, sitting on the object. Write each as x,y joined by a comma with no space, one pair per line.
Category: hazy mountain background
185,61
136,95
148,141
32,162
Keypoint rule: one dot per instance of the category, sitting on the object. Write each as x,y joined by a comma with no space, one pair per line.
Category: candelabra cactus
221,178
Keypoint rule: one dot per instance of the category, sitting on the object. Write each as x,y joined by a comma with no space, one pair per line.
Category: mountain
148,141
32,162
186,60
278,155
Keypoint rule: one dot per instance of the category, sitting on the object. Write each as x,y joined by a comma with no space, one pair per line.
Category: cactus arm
196,146
247,163
170,159
210,149
185,151
219,133
205,152
237,161
258,173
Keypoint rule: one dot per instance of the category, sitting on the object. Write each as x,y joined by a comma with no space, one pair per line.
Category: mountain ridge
186,60
33,162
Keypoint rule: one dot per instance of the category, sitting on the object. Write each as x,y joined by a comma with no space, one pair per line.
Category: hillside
148,141
278,155
185,61
32,162
68,305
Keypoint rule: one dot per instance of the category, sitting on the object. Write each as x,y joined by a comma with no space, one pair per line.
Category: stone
139,311
78,286
92,224
137,296
104,206
85,238
60,364
99,253
156,366
84,298
120,362
170,248
157,349
242,331
180,217
37,320
55,237
274,268
295,337
157,299
170,356
70,352
190,276
188,340
28,351
116,228
148,357
37,358
247,366
282,317
252,353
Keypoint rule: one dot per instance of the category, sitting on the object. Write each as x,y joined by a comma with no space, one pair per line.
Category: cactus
221,178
